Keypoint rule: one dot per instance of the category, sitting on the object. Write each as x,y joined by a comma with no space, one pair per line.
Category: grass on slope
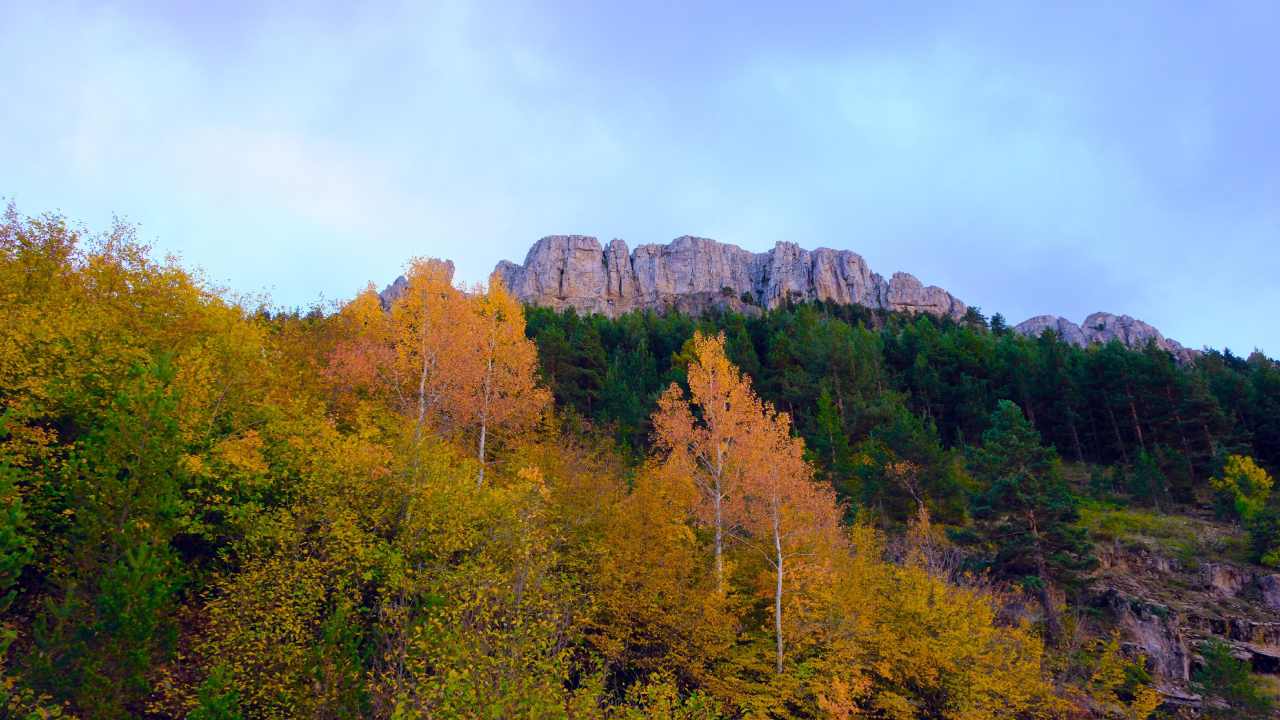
1186,538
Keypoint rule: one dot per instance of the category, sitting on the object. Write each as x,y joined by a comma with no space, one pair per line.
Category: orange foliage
712,449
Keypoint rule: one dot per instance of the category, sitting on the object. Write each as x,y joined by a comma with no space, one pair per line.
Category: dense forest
867,389
449,505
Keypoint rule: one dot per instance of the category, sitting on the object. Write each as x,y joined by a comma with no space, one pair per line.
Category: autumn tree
788,516
426,321
705,435
1242,488
361,361
1117,685
657,611
501,391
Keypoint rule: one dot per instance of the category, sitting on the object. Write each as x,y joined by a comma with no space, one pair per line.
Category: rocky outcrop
1068,331
1156,632
1269,585
693,274
1225,579
393,291
1167,607
1102,328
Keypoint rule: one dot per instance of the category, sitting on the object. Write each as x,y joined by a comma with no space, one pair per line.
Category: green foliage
15,545
1264,536
1148,484
1104,405
1026,512
831,442
902,465
217,698
110,621
1226,681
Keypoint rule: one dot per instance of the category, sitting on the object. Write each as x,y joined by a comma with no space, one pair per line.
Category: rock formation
1168,606
1102,327
397,288
694,274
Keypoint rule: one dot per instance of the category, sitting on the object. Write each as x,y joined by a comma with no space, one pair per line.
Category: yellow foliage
330,464
1244,485
1112,686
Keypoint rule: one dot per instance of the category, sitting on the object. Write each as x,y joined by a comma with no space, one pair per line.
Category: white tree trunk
484,412
777,592
719,542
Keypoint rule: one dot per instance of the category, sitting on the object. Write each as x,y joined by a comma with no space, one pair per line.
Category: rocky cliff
1102,327
693,274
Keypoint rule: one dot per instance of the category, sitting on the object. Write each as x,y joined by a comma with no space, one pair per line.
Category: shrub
1227,680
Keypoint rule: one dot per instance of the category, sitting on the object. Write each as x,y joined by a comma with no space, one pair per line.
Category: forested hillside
452,506
868,387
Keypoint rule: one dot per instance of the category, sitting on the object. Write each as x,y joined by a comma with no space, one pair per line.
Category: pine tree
831,444
1026,511
1226,679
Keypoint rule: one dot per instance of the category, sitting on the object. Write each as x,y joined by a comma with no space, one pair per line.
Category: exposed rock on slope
1103,327
1168,606
694,274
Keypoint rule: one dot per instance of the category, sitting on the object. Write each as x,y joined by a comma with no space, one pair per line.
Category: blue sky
1030,161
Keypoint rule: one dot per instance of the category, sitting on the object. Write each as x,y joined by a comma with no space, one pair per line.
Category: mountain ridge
694,274
1103,327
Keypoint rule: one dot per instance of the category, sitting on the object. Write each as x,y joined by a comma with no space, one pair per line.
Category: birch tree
703,435
788,516
500,391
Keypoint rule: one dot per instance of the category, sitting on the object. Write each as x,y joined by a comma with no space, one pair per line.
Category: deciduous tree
500,390
705,435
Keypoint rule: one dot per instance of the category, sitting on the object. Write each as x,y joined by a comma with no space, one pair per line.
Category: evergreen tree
999,325
1148,484
1226,679
830,443
1026,512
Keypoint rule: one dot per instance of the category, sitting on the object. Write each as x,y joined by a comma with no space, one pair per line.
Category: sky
1113,156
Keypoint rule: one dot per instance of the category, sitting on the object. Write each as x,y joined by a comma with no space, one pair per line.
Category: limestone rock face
562,271
907,294
1224,579
1270,587
1064,328
1101,327
693,274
